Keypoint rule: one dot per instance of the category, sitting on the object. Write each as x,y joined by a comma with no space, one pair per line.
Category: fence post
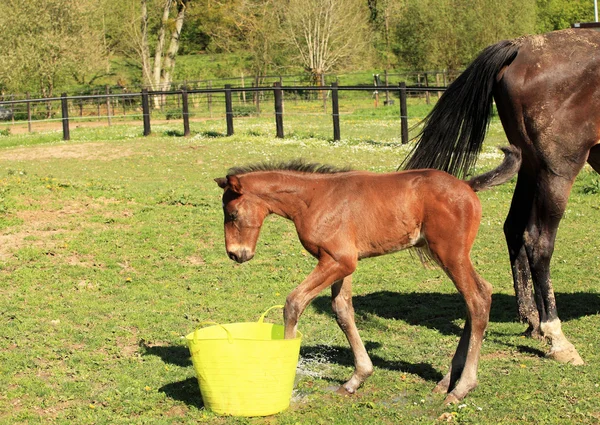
257,98
278,94
335,111
65,117
209,98
28,113
107,105
403,114
185,111
146,112
427,87
228,109
387,92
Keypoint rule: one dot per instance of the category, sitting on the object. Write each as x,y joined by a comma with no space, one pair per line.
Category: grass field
112,250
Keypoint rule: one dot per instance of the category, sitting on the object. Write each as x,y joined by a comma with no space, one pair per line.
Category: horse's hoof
440,388
569,355
451,399
533,332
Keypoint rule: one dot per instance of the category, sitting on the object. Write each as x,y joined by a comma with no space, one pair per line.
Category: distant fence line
440,78
178,102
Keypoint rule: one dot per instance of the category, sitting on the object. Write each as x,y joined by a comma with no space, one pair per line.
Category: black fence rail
176,104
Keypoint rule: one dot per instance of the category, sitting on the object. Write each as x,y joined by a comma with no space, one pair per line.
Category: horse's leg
514,230
453,255
341,302
594,158
324,274
458,361
552,192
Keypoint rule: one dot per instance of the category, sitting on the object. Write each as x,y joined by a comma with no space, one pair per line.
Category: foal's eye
233,216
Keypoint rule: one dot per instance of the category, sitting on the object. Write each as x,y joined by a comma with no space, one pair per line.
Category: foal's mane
294,165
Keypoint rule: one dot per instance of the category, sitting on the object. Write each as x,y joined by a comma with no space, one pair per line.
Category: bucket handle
208,322
262,317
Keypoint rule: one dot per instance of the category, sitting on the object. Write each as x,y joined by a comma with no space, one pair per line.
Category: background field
112,249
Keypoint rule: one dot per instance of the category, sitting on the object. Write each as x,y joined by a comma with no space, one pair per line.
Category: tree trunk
144,48
169,63
158,54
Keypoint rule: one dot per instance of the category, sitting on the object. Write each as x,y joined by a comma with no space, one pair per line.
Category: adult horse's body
547,92
344,216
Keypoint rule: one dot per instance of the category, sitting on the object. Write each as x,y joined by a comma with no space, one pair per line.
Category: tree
47,42
326,34
249,27
384,16
450,33
150,38
560,14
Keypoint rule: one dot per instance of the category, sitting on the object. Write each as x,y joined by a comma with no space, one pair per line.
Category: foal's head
244,215
245,211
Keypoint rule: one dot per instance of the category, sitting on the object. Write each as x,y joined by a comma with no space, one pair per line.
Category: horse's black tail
501,174
454,130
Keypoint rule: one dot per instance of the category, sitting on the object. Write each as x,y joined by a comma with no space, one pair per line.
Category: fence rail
177,102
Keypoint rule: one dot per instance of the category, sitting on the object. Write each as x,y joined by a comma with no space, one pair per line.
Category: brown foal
343,216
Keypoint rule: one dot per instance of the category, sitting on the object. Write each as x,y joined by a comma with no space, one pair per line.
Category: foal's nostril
233,256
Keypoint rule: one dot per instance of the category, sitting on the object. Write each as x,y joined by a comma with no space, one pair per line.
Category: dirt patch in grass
96,151
40,228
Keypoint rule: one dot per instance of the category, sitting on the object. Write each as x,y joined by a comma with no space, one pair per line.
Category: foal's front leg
341,302
328,270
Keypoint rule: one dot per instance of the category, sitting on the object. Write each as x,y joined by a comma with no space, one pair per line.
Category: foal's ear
234,184
222,182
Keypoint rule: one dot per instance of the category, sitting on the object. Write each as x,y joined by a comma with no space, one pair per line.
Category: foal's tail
454,130
501,174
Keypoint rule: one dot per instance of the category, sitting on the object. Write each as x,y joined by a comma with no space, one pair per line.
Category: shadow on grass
186,391
175,355
180,133
440,311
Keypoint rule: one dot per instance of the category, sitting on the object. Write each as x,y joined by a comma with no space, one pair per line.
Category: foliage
448,34
44,43
559,14
53,45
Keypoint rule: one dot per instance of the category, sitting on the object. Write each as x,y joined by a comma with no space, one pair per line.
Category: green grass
112,250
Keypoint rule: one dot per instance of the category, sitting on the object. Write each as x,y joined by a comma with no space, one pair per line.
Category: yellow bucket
245,369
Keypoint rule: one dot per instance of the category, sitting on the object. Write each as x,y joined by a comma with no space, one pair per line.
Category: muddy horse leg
594,158
341,302
550,201
514,231
477,293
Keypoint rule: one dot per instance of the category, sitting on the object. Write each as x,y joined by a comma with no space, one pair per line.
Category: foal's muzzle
240,256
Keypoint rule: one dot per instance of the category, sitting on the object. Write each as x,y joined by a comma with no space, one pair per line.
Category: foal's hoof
568,355
344,392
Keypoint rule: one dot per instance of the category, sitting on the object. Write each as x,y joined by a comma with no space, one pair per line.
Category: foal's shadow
343,356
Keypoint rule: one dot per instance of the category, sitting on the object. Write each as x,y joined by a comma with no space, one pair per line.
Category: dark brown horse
547,92
344,216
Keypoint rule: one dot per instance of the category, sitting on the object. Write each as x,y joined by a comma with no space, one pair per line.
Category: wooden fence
181,98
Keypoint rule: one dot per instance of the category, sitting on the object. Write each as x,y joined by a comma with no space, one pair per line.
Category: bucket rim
190,336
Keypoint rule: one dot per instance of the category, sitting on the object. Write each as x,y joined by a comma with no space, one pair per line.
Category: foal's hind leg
341,301
477,293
